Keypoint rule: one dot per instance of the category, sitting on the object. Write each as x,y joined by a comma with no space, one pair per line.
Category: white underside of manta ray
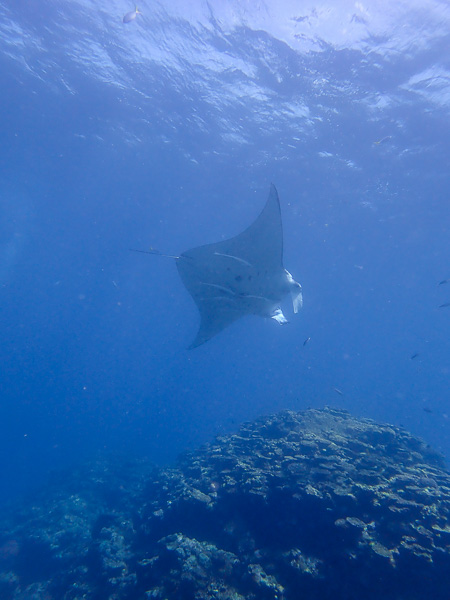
240,276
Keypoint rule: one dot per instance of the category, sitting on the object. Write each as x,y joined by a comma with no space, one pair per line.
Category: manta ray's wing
240,276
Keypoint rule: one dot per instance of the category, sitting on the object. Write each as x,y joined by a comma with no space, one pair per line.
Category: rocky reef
313,505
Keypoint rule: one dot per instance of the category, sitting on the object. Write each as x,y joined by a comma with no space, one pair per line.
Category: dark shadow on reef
315,505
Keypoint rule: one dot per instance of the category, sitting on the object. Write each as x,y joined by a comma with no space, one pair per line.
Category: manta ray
240,276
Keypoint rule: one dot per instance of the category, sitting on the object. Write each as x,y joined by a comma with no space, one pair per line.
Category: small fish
413,356
306,341
445,305
427,410
383,140
130,16
444,281
338,391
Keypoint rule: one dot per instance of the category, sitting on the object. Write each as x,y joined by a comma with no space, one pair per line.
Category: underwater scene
225,300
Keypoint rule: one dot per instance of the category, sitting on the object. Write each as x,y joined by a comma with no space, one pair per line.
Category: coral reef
316,505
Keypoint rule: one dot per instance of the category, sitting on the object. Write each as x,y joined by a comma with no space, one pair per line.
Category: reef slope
314,505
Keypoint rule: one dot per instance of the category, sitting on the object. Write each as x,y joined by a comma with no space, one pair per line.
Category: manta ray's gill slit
219,287
228,299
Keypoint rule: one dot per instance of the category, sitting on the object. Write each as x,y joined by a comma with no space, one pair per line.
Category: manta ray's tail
154,251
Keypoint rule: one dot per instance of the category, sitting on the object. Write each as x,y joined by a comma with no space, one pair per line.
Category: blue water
166,132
